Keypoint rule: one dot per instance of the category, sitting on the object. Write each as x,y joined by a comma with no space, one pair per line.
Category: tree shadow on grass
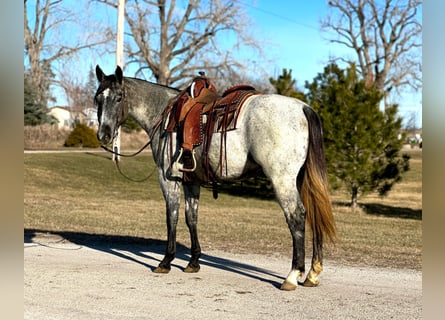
393,212
377,209
142,247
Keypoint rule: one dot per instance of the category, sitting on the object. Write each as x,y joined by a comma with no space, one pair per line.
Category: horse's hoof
311,282
190,269
288,286
161,270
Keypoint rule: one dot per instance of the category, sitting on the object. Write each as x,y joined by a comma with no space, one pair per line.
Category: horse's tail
314,189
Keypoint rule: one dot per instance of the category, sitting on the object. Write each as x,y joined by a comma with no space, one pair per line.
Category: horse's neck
146,100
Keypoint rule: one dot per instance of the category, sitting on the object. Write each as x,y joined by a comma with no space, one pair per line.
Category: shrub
82,136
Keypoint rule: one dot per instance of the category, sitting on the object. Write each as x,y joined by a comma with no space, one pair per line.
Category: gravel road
96,278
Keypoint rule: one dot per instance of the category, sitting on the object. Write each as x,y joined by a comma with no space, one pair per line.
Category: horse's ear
100,75
119,74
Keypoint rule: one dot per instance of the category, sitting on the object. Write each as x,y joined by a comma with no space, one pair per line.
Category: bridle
124,114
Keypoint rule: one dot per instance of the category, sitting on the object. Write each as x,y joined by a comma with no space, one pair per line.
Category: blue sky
293,35
293,27
292,39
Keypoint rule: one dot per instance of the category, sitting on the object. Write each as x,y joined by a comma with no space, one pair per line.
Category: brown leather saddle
223,114
198,112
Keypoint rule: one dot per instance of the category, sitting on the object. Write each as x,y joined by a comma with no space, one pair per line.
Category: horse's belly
229,159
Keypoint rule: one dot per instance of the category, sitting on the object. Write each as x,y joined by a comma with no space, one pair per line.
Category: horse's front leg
191,194
172,193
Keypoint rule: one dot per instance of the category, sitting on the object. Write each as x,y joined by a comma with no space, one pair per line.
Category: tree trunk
354,193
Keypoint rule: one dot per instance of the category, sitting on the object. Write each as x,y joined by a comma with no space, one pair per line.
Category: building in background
67,117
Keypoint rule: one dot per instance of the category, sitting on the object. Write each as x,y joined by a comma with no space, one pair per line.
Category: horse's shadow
142,247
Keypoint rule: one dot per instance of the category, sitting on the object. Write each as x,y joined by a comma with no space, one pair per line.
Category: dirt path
86,278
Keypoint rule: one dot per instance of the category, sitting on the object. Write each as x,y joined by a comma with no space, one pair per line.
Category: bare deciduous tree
42,23
174,40
386,37
79,93
411,122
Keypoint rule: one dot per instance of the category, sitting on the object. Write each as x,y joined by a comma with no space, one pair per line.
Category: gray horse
280,135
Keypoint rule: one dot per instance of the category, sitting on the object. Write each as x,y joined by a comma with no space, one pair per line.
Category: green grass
81,192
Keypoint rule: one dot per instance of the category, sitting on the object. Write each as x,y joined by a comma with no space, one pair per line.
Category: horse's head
111,108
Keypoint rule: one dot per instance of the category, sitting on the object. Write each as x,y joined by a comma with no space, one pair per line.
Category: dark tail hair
314,190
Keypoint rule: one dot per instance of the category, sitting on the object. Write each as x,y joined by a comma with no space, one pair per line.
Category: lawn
83,192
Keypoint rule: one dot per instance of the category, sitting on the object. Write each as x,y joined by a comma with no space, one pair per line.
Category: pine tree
361,141
286,86
35,112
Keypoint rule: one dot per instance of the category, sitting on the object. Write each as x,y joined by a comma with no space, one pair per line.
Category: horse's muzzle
104,135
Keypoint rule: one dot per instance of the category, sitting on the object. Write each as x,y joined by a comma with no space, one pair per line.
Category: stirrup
179,163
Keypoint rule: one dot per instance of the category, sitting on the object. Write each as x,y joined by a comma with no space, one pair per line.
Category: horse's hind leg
296,222
289,199
312,279
191,193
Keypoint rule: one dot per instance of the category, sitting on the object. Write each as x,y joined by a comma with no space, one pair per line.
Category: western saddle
198,112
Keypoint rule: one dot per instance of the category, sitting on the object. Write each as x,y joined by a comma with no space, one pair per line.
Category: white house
91,117
67,117
63,116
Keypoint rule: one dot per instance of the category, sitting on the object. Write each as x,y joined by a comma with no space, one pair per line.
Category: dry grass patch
84,193
44,137
48,137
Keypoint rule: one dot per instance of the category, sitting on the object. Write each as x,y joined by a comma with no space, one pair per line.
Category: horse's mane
151,83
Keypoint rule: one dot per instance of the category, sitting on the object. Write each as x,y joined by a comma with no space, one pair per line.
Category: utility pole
119,62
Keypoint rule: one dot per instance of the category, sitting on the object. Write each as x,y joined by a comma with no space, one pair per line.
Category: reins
153,129
128,156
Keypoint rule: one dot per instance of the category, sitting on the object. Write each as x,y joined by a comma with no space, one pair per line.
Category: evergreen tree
361,141
35,112
286,86
131,125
